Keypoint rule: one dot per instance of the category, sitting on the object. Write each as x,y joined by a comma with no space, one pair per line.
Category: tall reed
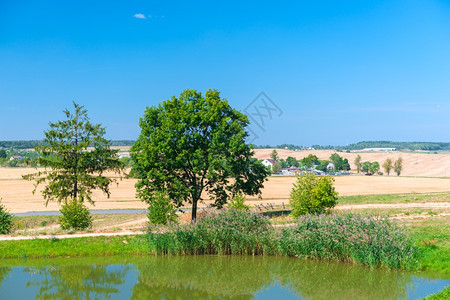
228,232
363,239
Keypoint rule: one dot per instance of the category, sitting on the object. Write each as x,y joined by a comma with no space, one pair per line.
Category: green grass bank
319,238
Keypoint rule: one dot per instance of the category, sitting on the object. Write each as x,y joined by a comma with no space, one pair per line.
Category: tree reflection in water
4,272
240,277
77,281
199,277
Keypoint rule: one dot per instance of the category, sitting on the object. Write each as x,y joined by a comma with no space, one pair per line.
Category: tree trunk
194,210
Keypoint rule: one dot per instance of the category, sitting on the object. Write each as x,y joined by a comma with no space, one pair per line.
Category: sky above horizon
331,72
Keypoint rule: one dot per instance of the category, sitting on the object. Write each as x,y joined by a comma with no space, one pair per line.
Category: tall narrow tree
398,165
358,163
75,155
387,165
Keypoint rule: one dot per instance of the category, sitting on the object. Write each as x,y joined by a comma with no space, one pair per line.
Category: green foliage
291,162
75,215
228,232
358,163
322,165
161,210
237,202
85,246
370,167
340,164
276,168
387,165
312,194
5,220
362,239
398,166
3,153
194,143
399,145
310,161
274,155
72,170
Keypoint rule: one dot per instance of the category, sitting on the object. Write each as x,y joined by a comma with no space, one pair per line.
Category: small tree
161,209
291,161
375,167
312,194
358,163
276,168
75,155
387,165
238,202
274,155
5,220
398,166
310,161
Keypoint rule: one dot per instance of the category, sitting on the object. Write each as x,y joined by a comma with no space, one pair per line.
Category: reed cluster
361,239
228,232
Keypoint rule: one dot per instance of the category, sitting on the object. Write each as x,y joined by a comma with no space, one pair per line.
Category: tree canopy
193,144
75,154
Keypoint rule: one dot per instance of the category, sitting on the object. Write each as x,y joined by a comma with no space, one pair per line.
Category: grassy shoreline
431,239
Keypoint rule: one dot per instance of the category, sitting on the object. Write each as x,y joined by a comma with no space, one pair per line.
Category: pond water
200,277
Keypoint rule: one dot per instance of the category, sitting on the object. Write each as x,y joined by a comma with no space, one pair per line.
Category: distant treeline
32,143
427,146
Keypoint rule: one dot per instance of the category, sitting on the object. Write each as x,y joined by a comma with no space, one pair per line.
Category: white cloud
139,16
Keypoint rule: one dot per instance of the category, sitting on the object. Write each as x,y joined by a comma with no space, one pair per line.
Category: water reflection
76,281
199,277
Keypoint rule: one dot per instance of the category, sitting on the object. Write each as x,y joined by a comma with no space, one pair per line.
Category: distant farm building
379,149
331,167
268,162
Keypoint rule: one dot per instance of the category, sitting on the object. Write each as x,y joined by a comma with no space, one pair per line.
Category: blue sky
339,71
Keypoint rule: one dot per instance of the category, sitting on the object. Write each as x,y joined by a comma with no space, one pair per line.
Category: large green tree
193,144
75,155
340,164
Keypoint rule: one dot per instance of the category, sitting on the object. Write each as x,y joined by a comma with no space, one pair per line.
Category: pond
200,277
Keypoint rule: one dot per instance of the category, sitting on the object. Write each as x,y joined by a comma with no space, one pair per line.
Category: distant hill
32,143
427,146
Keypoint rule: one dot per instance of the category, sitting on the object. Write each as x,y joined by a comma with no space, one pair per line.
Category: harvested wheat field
414,163
17,193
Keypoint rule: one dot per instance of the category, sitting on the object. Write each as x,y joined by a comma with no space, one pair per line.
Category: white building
268,162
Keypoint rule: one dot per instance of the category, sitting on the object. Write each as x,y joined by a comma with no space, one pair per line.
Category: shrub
237,202
161,209
5,220
362,239
312,194
75,215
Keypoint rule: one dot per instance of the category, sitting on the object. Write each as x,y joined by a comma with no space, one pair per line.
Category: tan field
17,193
414,163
